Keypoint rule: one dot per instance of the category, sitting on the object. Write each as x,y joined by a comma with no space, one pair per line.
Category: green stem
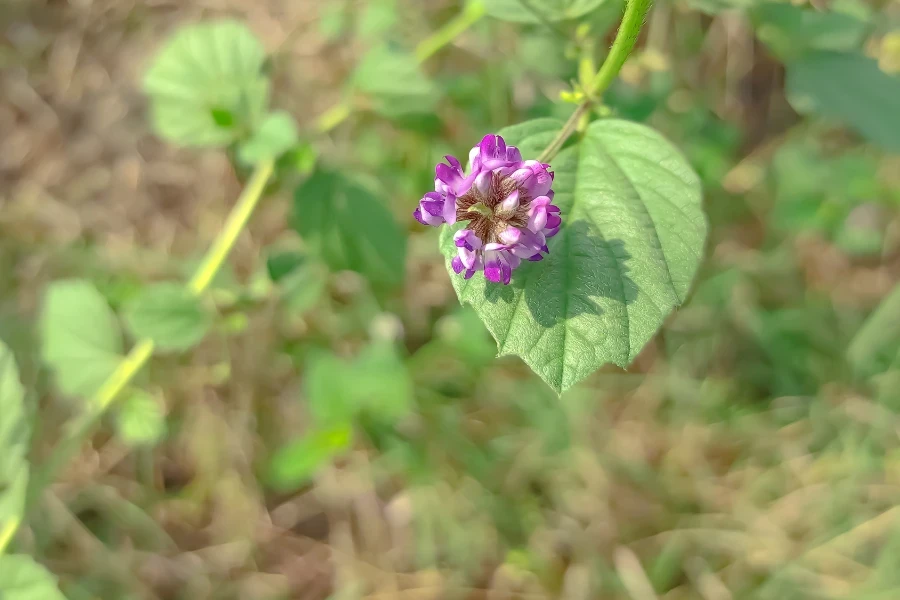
427,48
450,31
626,37
141,352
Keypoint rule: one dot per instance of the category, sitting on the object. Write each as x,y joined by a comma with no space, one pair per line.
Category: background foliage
326,420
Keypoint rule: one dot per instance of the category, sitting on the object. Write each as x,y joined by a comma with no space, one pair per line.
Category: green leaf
632,239
377,19
349,228
140,420
877,343
13,446
168,314
282,264
851,88
381,383
206,85
276,135
294,464
714,7
394,83
789,30
536,11
80,336
21,578
376,384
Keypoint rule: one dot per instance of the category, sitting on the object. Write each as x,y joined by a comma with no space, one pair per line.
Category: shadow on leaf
582,266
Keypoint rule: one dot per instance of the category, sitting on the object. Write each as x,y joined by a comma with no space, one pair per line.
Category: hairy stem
82,427
626,37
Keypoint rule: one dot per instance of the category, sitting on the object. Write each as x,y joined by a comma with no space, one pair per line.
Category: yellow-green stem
110,390
451,30
6,534
626,37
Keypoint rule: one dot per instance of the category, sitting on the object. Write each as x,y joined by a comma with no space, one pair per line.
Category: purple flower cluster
507,203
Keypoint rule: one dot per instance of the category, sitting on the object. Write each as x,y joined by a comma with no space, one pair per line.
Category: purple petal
538,219
510,236
553,221
483,182
418,215
511,202
457,265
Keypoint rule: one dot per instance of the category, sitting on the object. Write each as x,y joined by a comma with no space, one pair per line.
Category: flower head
506,202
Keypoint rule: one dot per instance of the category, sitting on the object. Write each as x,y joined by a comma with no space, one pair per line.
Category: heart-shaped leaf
206,86
632,237
168,314
80,336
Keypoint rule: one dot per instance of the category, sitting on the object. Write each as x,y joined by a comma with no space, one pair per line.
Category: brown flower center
484,210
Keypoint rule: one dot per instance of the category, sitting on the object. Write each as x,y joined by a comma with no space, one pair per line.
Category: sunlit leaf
632,238
21,578
206,85
140,420
168,314
80,336
276,135
294,464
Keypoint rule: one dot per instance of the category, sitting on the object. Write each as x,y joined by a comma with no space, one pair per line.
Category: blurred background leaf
206,85
80,337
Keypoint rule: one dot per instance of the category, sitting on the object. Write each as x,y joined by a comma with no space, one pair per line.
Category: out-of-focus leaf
790,30
377,19
632,236
381,382
877,343
80,336
333,19
23,579
349,227
140,420
714,7
294,464
394,83
14,433
282,264
536,11
206,85
276,135
168,314
851,88
376,383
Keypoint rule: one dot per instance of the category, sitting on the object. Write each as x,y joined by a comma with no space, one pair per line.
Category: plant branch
141,352
626,37
427,48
